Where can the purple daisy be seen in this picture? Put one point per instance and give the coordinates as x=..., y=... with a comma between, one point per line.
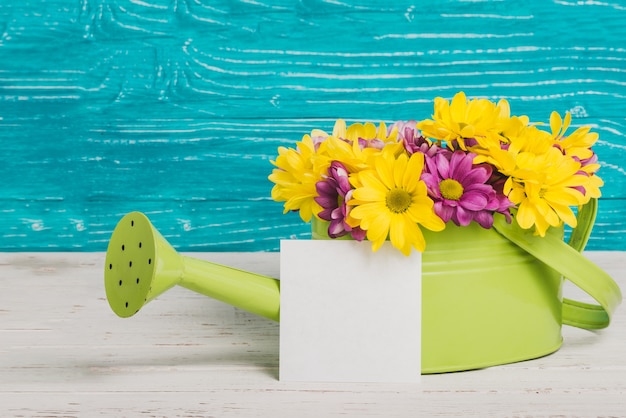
x=461, y=190
x=333, y=193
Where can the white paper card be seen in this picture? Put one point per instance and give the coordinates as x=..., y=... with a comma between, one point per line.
x=348, y=314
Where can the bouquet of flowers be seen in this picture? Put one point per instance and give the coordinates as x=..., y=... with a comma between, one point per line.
x=470, y=162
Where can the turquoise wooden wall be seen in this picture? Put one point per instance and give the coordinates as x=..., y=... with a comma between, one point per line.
x=175, y=107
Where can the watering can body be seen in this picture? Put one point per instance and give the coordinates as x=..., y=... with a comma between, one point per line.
x=485, y=301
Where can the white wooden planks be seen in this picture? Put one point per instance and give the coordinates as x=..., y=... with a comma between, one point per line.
x=64, y=353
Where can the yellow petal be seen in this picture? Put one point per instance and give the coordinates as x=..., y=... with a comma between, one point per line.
x=378, y=230
x=504, y=108
x=413, y=172
x=384, y=168
x=367, y=212
x=568, y=120
x=525, y=215
x=397, y=230
x=541, y=226
x=399, y=168
x=367, y=194
x=429, y=220
x=565, y=213
x=458, y=107
x=416, y=238
x=555, y=124
x=339, y=131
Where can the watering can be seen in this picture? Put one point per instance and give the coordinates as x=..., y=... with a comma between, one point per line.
x=489, y=296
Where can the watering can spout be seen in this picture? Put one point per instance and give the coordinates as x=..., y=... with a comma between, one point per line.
x=141, y=264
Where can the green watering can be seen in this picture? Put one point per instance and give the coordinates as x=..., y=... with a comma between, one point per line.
x=489, y=296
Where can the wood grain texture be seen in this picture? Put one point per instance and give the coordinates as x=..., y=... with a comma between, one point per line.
x=176, y=107
x=63, y=353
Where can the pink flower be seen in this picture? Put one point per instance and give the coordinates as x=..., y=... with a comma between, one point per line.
x=461, y=190
x=333, y=193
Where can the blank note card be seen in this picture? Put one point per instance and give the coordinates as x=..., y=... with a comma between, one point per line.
x=348, y=314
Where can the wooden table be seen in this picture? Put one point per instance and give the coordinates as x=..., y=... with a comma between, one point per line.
x=63, y=353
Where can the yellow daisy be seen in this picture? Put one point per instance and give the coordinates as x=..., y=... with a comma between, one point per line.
x=391, y=201
x=462, y=119
x=578, y=143
x=545, y=187
x=295, y=176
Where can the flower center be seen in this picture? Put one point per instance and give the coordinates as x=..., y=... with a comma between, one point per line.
x=398, y=200
x=451, y=189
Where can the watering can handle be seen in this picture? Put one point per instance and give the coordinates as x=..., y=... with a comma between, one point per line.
x=567, y=260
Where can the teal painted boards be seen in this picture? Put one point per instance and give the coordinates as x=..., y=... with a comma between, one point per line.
x=176, y=107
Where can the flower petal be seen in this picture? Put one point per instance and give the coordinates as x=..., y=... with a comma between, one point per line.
x=473, y=201
x=463, y=217
x=443, y=166
x=460, y=165
x=484, y=219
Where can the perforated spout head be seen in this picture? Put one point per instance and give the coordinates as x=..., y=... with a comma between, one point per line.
x=140, y=265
